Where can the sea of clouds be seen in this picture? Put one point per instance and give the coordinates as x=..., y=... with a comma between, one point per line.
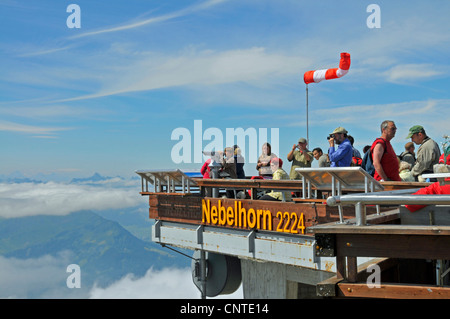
x=45, y=277
x=53, y=198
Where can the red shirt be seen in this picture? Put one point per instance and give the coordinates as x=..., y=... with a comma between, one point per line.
x=205, y=169
x=389, y=161
x=441, y=159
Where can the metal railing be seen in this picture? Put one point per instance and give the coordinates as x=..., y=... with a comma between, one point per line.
x=399, y=197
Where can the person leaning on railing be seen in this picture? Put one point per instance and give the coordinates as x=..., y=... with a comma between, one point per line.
x=278, y=173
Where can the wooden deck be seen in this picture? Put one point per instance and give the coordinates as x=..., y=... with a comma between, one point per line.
x=401, y=252
x=401, y=249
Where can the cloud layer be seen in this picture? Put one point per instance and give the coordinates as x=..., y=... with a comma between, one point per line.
x=51, y=198
x=46, y=277
x=164, y=284
x=43, y=277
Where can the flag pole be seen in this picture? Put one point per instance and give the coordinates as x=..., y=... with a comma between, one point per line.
x=307, y=128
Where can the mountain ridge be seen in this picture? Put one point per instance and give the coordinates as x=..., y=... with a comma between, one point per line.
x=103, y=249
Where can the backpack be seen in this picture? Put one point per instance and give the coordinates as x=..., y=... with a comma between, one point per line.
x=367, y=161
x=402, y=155
x=356, y=161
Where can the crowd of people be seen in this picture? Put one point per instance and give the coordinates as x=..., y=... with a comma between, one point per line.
x=408, y=166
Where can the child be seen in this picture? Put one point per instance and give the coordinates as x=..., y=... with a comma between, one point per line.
x=405, y=172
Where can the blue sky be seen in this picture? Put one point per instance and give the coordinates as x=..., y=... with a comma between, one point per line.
x=106, y=97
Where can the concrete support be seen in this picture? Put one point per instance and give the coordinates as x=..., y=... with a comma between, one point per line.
x=263, y=280
x=268, y=280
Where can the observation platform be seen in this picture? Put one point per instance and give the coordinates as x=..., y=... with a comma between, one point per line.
x=340, y=222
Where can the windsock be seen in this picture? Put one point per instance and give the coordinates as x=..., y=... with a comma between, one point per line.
x=329, y=74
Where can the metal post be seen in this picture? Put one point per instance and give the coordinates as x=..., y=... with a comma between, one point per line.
x=372, y=190
x=360, y=215
x=309, y=188
x=307, y=120
x=333, y=186
x=203, y=272
x=340, y=208
x=168, y=184
x=214, y=166
x=303, y=187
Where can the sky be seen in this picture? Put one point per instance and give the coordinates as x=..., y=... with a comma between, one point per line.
x=108, y=96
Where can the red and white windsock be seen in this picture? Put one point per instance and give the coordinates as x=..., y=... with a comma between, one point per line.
x=328, y=74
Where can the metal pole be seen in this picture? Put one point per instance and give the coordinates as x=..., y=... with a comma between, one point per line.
x=307, y=120
x=214, y=170
x=360, y=214
x=203, y=272
x=378, y=199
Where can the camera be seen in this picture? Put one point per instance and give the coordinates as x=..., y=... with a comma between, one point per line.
x=212, y=153
x=217, y=156
x=330, y=136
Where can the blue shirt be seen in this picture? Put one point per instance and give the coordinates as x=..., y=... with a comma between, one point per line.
x=341, y=157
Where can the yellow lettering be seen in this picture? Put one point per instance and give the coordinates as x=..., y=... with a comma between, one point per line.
x=222, y=214
x=280, y=221
x=267, y=220
x=230, y=216
x=206, y=211
x=238, y=216
x=242, y=216
x=294, y=218
x=258, y=217
x=301, y=223
x=286, y=216
x=214, y=214
x=251, y=217
x=235, y=213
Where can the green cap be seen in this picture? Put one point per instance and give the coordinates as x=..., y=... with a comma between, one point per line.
x=415, y=129
x=340, y=129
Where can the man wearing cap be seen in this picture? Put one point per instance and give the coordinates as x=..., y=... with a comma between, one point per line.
x=427, y=155
x=342, y=156
x=300, y=156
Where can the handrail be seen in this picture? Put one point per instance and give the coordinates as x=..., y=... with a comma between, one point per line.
x=388, y=198
x=293, y=185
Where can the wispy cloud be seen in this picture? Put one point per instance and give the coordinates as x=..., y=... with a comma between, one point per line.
x=412, y=72
x=254, y=66
x=30, y=129
x=402, y=112
x=137, y=24
x=31, y=109
x=44, y=52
